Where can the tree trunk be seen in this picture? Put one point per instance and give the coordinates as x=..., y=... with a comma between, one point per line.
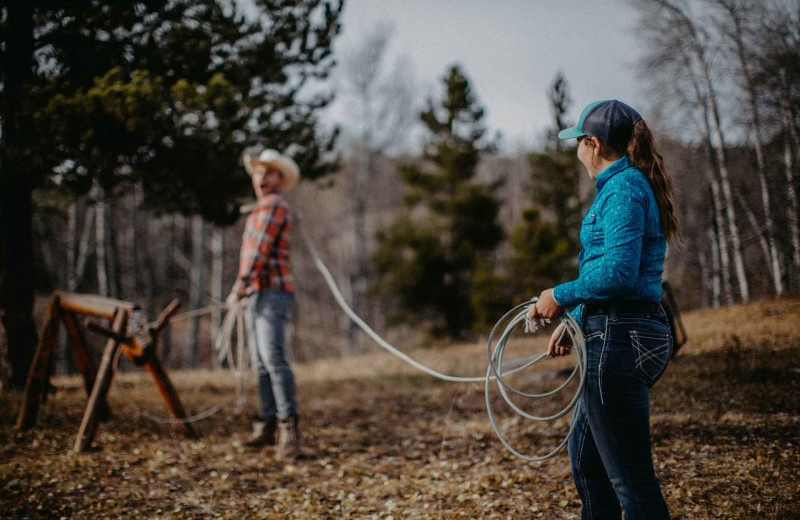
x=217, y=281
x=722, y=160
x=72, y=243
x=358, y=272
x=792, y=212
x=786, y=104
x=196, y=288
x=101, y=251
x=769, y=227
x=49, y=268
x=720, y=237
x=113, y=257
x=758, y=232
x=16, y=205
x=719, y=147
x=142, y=254
x=716, y=300
x=166, y=335
x=705, y=277
x=77, y=270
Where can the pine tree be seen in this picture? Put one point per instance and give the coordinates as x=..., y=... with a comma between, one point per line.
x=539, y=257
x=164, y=94
x=544, y=252
x=429, y=255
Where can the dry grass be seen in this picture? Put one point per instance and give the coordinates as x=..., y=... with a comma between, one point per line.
x=383, y=441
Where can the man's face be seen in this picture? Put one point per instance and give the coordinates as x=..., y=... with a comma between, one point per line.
x=266, y=179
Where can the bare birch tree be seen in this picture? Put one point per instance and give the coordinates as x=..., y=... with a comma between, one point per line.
x=196, y=284
x=790, y=140
x=217, y=278
x=733, y=27
x=383, y=111
x=101, y=251
x=672, y=19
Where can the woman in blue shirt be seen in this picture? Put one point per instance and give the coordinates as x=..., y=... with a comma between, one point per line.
x=616, y=298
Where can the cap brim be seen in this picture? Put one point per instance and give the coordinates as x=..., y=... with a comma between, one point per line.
x=570, y=133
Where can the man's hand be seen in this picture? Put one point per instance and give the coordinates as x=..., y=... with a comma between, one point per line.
x=231, y=300
x=560, y=343
x=546, y=307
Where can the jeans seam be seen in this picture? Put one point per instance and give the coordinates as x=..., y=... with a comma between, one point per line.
x=582, y=477
x=600, y=364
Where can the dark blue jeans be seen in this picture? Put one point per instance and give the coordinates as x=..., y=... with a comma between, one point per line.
x=612, y=464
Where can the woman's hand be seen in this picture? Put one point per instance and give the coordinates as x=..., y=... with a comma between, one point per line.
x=546, y=306
x=560, y=343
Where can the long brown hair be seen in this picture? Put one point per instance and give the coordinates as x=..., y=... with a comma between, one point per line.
x=644, y=156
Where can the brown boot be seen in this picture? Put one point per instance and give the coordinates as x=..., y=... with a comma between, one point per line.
x=263, y=433
x=288, y=439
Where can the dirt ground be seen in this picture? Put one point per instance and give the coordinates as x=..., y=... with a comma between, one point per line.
x=383, y=441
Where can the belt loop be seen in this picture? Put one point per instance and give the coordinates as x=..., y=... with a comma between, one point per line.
x=612, y=314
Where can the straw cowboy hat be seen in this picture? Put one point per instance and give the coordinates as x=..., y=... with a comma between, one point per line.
x=284, y=163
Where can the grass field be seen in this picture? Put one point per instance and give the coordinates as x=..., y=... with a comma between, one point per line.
x=383, y=441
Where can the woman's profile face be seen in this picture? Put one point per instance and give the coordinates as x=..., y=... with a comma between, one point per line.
x=586, y=151
x=266, y=179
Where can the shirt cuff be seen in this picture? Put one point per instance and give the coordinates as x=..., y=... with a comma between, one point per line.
x=564, y=295
x=576, y=313
x=239, y=288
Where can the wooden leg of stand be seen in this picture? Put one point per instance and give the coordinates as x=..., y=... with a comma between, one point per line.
x=169, y=393
x=39, y=374
x=101, y=385
x=77, y=344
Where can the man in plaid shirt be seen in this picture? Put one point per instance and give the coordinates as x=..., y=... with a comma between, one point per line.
x=265, y=288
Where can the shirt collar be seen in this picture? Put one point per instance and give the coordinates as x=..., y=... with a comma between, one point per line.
x=623, y=163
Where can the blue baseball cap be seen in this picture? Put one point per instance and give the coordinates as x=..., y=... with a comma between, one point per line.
x=611, y=121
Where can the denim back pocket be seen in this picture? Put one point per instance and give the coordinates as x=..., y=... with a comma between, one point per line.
x=652, y=352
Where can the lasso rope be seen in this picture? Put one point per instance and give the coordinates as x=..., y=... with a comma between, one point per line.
x=224, y=345
x=517, y=315
x=496, y=370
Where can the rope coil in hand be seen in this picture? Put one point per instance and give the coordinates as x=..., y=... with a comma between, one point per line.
x=518, y=315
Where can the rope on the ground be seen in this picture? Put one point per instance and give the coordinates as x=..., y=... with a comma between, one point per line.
x=496, y=368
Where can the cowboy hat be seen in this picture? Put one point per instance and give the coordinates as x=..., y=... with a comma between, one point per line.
x=283, y=163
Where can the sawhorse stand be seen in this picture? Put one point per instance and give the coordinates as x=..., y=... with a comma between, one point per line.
x=139, y=348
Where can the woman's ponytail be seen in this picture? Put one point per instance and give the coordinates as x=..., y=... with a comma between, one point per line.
x=644, y=156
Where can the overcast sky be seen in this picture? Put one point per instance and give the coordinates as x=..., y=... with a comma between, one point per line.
x=511, y=51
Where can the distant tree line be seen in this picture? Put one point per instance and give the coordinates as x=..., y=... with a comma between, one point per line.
x=123, y=129
x=727, y=77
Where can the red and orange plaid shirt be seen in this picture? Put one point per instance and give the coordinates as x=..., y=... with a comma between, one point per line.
x=264, y=258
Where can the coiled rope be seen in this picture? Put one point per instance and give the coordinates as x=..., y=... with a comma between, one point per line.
x=496, y=370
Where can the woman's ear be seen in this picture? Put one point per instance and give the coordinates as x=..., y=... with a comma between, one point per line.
x=600, y=149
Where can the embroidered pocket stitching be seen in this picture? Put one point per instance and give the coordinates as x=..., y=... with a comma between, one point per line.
x=643, y=355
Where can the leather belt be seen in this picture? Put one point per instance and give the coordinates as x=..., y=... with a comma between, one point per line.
x=622, y=307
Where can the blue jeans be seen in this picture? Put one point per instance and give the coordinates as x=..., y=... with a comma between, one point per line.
x=267, y=314
x=612, y=464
